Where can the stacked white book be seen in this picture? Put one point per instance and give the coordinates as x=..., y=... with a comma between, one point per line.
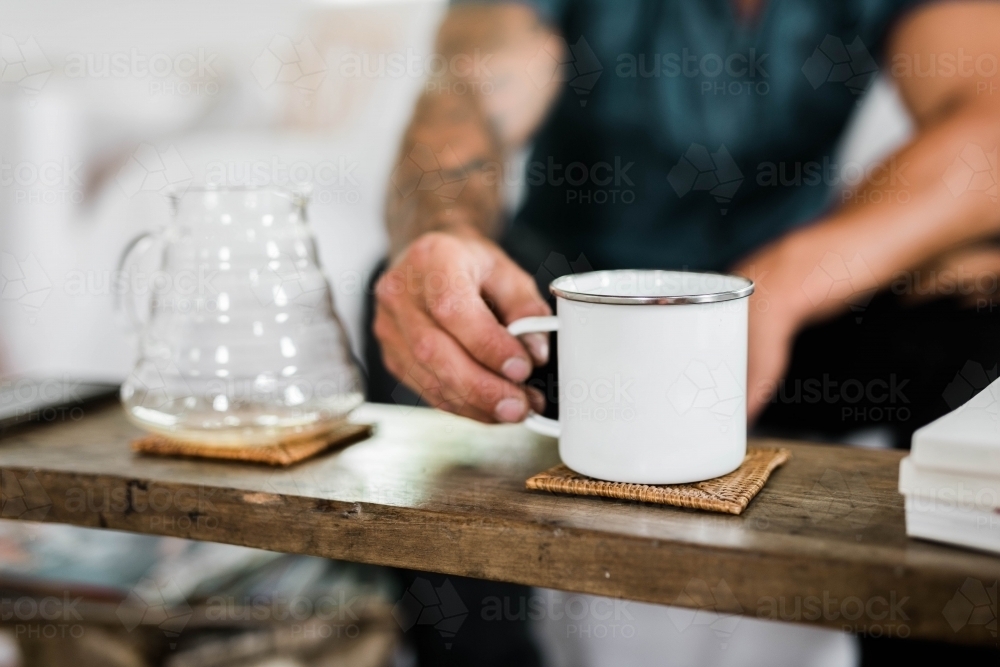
x=951, y=479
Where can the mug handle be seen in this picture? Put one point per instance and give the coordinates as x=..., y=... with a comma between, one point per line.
x=534, y=421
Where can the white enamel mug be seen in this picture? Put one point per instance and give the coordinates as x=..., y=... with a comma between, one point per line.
x=652, y=374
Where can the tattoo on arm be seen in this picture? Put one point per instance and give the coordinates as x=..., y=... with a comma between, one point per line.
x=487, y=102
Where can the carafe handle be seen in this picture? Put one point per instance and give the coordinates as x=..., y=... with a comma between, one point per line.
x=125, y=296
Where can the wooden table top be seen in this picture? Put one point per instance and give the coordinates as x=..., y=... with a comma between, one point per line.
x=823, y=543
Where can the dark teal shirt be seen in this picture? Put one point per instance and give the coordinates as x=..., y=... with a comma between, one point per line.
x=687, y=137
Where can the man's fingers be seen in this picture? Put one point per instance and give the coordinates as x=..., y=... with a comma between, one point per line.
x=441, y=316
x=462, y=313
x=427, y=385
x=452, y=295
x=538, y=347
x=461, y=377
x=430, y=388
x=514, y=295
x=536, y=399
x=420, y=380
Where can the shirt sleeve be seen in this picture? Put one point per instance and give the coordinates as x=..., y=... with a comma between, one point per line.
x=552, y=12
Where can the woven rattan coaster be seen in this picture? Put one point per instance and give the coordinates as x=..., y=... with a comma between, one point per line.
x=283, y=453
x=730, y=493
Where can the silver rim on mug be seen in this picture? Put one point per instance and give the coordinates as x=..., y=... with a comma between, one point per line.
x=565, y=292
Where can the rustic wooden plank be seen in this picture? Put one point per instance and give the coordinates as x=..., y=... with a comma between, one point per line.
x=823, y=543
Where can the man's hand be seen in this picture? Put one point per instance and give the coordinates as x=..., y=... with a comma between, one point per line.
x=777, y=310
x=442, y=307
x=441, y=315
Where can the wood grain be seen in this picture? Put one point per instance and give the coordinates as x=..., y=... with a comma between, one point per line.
x=824, y=542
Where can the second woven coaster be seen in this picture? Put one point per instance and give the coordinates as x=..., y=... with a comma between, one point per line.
x=730, y=493
x=278, y=454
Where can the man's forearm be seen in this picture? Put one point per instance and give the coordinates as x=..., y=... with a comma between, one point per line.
x=913, y=208
x=500, y=77
x=440, y=181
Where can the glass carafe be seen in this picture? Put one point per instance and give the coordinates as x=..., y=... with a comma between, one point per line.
x=239, y=343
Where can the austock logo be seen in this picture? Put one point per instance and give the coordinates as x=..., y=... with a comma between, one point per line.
x=25, y=282
x=972, y=379
x=575, y=64
x=22, y=496
x=850, y=281
x=23, y=64
x=973, y=604
x=402, y=395
x=875, y=616
x=297, y=63
x=583, y=69
x=45, y=617
x=428, y=389
x=330, y=181
x=734, y=73
x=974, y=170
x=155, y=384
x=150, y=170
x=714, y=607
x=557, y=265
x=158, y=508
x=834, y=62
x=886, y=398
x=421, y=171
x=187, y=73
x=150, y=603
x=423, y=603
x=55, y=181
x=701, y=171
x=284, y=283
x=845, y=498
x=701, y=387
x=977, y=391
